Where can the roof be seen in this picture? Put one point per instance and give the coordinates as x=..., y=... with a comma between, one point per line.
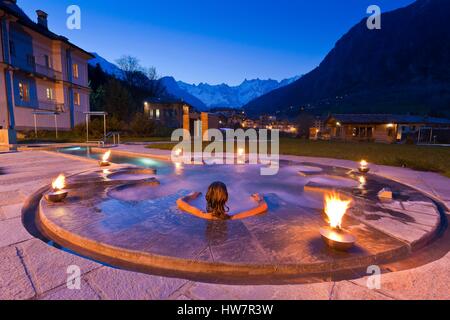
x=386, y=118
x=166, y=100
x=12, y=8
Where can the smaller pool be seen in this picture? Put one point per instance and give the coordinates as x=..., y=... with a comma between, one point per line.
x=162, y=167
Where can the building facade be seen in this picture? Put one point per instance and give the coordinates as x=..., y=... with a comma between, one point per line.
x=43, y=77
x=386, y=128
x=167, y=112
x=177, y=114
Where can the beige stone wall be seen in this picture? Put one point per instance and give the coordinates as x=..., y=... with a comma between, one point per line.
x=3, y=101
x=205, y=125
x=186, y=123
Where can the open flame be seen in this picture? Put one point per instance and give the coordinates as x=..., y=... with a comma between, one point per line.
x=106, y=156
x=363, y=164
x=59, y=183
x=335, y=209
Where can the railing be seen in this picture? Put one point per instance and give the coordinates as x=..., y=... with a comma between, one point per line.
x=51, y=105
x=45, y=71
x=115, y=137
x=48, y=72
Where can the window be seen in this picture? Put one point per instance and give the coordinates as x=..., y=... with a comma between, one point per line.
x=76, y=99
x=30, y=60
x=12, y=48
x=158, y=113
x=49, y=94
x=390, y=132
x=75, y=71
x=24, y=91
x=48, y=61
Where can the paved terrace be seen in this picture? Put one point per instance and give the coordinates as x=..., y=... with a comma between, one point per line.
x=30, y=269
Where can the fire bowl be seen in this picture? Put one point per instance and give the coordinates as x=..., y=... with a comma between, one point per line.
x=56, y=196
x=364, y=169
x=104, y=163
x=337, y=239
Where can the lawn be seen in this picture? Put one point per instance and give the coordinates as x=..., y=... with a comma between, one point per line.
x=423, y=158
x=71, y=137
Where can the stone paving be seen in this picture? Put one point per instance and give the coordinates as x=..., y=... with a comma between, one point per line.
x=30, y=269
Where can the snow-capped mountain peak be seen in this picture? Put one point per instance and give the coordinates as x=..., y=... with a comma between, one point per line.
x=108, y=67
x=223, y=95
x=204, y=95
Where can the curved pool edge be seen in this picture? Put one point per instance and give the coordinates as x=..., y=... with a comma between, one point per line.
x=214, y=272
x=202, y=270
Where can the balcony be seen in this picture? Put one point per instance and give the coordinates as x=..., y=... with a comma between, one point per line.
x=51, y=105
x=38, y=70
x=48, y=72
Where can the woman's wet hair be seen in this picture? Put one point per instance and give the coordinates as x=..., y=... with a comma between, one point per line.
x=216, y=199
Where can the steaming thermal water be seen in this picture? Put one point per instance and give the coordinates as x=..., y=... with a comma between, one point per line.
x=284, y=190
x=128, y=176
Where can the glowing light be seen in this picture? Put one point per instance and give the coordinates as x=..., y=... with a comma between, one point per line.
x=362, y=180
x=335, y=209
x=106, y=156
x=179, y=168
x=390, y=125
x=59, y=183
x=178, y=152
x=241, y=152
x=363, y=164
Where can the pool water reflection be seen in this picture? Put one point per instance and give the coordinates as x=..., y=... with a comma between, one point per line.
x=86, y=152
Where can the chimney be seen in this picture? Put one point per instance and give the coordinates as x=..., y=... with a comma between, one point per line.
x=42, y=18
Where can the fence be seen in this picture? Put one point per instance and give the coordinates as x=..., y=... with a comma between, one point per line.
x=434, y=136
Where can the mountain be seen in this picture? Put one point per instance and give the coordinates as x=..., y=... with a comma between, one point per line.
x=172, y=89
x=402, y=68
x=108, y=67
x=232, y=96
x=203, y=96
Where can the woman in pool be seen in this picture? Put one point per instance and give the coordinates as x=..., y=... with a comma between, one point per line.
x=217, y=198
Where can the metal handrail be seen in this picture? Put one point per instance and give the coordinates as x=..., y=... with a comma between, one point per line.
x=98, y=142
x=114, y=135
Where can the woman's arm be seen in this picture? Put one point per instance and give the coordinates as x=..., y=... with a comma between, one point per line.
x=184, y=205
x=260, y=209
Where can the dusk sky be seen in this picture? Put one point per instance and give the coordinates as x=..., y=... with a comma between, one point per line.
x=212, y=41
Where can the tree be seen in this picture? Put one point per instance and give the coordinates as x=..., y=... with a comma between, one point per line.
x=304, y=121
x=118, y=101
x=137, y=76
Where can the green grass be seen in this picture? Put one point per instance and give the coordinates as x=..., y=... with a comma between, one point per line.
x=423, y=158
x=72, y=137
x=144, y=139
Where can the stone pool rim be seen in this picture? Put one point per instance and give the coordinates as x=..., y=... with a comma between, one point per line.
x=226, y=272
x=188, y=268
